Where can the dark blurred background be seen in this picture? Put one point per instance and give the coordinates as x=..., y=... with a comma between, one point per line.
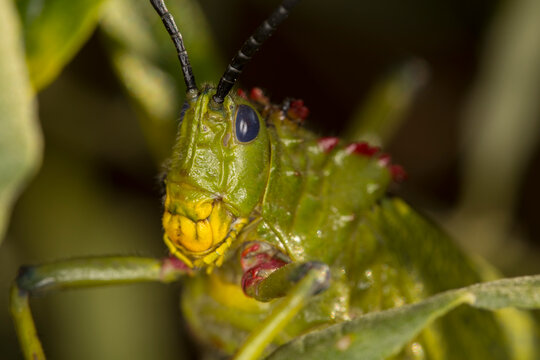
x=98, y=193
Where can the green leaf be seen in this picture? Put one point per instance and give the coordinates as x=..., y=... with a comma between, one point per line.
x=20, y=138
x=380, y=115
x=383, y=334
x=500, y=132
x=54, y=30
x=145, y=60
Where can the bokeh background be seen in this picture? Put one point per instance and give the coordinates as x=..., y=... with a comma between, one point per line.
x=456, y=83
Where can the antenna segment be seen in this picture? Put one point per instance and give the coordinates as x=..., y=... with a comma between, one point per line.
x=250, y=47
x=176, y=37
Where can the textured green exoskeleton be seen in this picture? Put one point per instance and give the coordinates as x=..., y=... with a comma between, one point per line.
x=310, y=199
x=285, y=233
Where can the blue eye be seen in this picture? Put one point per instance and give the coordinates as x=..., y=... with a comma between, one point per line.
x=246, y=123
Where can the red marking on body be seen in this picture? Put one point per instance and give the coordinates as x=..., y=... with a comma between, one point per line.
x=256, y=94
x=384, y=159
x=250, y=249
x=258, y=260
x=253, y=256
x=253, y=276
x=397, y=172
x=262, y=257
x=173, y=264
x=249, y=262
x=297, y=110
x=328, y=143
x=241, y=93
x=362, y=148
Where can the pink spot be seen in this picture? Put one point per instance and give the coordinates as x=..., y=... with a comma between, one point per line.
x=250, y=249
x=175, y=263
x=327, y=143
x=241, y=93
x=256, y=94
x=297, y=110
x=250, y=262
x=384, y=159
x=249, y=257
x=252, y=277
x=172, y=265
x=362, y=148
x=397, y=172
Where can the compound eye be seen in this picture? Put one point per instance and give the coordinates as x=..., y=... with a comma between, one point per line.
x=246, y=124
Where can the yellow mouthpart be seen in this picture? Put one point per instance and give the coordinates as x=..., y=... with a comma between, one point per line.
x=202, y=242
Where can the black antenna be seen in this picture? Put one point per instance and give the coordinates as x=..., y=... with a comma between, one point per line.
x=250, y=47
x=172, y=29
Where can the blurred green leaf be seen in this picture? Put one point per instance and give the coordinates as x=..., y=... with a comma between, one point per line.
x=381, y=114
x=501, y=130
x=146, y=62
x=382, y=334
x=20, y=138
x=54, y=30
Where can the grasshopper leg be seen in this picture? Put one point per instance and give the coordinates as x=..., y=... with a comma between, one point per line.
x=296, y=282
x=87, y=272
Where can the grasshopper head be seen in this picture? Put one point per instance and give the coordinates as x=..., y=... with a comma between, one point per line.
x=220, y=163
x=216, y=177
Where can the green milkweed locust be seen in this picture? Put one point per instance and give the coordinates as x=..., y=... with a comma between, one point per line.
x=288, y=244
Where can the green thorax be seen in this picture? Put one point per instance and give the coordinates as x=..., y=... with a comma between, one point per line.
x=317, y=189
x=324, y=200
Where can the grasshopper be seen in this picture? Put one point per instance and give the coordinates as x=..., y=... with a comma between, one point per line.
x=277, y=233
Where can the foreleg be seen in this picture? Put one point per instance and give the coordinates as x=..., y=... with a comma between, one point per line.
x=270, y=277
x=76, y=273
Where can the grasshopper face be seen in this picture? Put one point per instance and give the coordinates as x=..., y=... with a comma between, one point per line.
x=217, y=176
